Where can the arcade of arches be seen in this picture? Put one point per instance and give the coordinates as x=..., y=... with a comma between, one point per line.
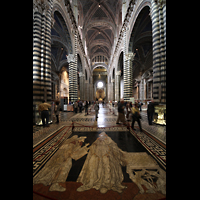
x=100, y=50
x=78, y=43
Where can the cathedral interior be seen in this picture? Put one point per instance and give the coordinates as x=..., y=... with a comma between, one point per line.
x=99, y=50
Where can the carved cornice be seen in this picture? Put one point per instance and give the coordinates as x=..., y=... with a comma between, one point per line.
x=160, y=2
x=124, y=26
x=70, y=58
x=40, y=6
x=74, y=25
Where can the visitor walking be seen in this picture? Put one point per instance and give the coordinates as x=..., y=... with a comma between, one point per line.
x=80, y=105
x=96, y=108
x=121, y=116
x=43, y=110
x=140, y=104
x=136, y=117
x=128, y=111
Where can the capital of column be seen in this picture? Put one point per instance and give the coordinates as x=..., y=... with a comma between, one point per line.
x=118, y=73
x=81, y=74
x=160, y=2
x=40, y=6
x=130, y=56
x=70, y=58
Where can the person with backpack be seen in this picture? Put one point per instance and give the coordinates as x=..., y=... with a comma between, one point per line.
x=136, y=117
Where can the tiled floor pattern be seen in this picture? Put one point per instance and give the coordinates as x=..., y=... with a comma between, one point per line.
x=106, y=121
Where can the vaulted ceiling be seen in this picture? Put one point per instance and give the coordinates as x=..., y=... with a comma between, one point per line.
x=98, y=20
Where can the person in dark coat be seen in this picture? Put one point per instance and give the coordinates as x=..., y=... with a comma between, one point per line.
x=86, y=107
x=80, y=105
x=150, y=112
x=56, y=111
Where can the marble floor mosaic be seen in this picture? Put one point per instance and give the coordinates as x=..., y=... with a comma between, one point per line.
x=48, y=140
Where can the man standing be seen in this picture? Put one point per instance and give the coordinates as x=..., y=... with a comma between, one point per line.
x=75, y=106
x=150, y=112
x=80, y=105
x=86, y=107
x=43, y=109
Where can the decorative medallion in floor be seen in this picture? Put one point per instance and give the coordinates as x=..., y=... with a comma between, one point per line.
x=82, y=158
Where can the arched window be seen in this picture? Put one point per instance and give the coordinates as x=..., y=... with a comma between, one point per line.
x=99, y=84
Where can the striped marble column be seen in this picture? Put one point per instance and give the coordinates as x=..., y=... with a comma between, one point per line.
x=75, y=71
x=130, y=58
x=126, y=93
x=112, y=89
x=117, y=85
x=159, y=50
x=42, y=51
x=37, y=54
x=162, y=20
x=47, y=66
x=71, y=61
x=82, y=85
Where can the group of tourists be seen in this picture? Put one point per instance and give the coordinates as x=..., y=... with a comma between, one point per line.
x=132, y=111
x=135, y=111
x=81, y=105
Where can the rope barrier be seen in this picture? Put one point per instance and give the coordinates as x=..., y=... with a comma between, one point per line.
x=98, y=127
x=72, y=125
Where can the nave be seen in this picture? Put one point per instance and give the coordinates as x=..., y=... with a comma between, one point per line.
x=49, y=142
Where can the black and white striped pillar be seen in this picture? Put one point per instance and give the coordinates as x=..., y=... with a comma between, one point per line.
x=126, y=95
x=71, y=60
x=47, y=67
x=75, y=71
x=158, y=10
x=117, y=85
x=37, y=34
x=41, y=52
x=73, y=84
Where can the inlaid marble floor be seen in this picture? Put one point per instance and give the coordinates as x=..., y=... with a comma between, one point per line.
x=47, y=141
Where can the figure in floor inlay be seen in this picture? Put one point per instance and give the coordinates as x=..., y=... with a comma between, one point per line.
x=57, y=169
x=102, y=168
